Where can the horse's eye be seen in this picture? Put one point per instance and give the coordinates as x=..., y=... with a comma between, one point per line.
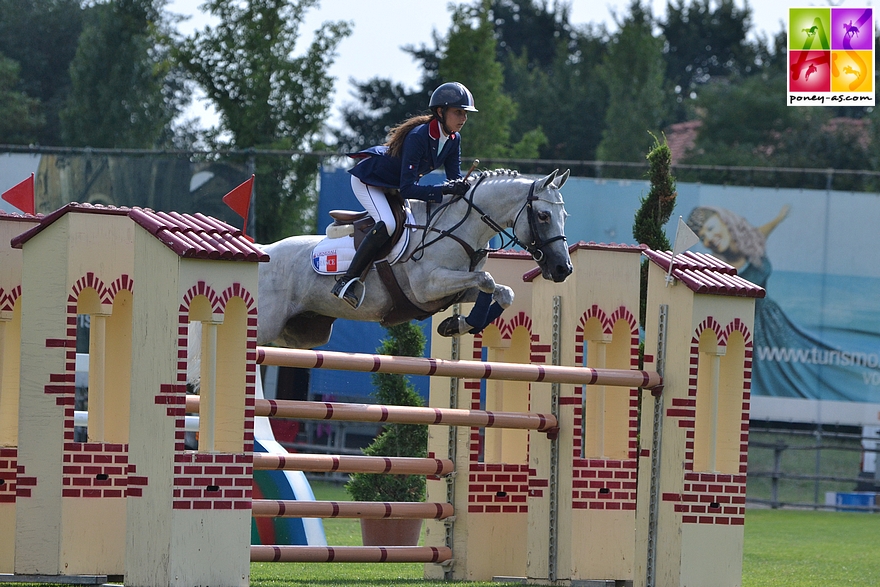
x=544, y=216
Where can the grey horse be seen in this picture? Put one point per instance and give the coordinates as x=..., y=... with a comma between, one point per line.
x=441, y=265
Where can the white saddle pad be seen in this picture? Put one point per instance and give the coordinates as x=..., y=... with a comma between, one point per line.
x=332, y=256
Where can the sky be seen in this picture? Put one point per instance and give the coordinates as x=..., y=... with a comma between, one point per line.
x=382, y=27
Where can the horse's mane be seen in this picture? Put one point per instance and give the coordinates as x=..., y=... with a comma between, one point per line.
x=488, y=174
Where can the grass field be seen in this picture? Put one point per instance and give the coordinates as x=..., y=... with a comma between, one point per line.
x=783, y=548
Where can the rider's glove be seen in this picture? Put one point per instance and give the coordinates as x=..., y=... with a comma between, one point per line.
x=458, y=187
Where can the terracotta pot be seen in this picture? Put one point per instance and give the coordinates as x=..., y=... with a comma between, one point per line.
x=388, y=532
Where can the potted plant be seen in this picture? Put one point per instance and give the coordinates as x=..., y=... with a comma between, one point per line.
x=395, y=440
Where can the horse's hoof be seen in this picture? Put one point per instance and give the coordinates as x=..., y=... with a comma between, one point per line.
x=455, y=325
x=504, y=296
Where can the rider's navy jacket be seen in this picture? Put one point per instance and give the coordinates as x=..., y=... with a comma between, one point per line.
x=418, y=157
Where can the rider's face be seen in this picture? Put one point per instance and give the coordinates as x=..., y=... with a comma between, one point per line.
x=455, y=119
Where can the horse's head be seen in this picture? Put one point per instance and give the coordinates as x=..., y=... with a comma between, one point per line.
x=545, y=216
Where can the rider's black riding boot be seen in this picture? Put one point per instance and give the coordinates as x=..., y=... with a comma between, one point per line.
x=349, y=286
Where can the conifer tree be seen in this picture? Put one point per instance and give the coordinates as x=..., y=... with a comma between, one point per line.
x=395, y=440
x=655, y=210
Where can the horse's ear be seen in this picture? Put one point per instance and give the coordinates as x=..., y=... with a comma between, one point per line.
x=546, y=181
x=561, y=179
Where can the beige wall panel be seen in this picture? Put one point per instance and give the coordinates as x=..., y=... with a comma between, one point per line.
x=697, y=547
x=10, y=331
x=209, y=550
x=503, y=546
x=10, y=366
x=94, y=549
x=607, y=279
x=102, y=243
x=168, y=546
x=7, y=538
x=711, y=555
x=40, y=424
x=155, y=313
x=602, y=546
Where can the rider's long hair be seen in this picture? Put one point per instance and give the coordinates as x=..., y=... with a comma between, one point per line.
x=398, y=133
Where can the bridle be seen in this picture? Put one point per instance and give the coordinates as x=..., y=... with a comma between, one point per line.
x=535, y=247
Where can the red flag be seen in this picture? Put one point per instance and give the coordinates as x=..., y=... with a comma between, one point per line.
x=239, y=199
x=21, y=195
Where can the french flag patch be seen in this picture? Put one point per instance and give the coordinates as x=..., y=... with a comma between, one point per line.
x=331, y=262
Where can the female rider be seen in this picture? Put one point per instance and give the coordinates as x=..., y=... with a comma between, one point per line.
x=415, y=147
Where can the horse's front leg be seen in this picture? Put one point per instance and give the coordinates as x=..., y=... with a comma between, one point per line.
x=440, y=283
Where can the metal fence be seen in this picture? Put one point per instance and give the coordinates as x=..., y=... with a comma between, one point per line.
x=857, y=180
x=810, y=466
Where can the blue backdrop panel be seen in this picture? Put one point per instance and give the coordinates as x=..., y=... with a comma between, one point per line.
x=818, y=329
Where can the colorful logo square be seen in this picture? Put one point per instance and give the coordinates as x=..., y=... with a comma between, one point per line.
x=809, y=71
x=809, y=28
x=852, y=29
x=831, y=56
x=851, y=71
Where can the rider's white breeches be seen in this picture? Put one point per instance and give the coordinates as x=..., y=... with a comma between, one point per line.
x=374, y=202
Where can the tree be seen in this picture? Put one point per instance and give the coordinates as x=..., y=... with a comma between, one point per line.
x=550, y=71
x=561, y=96
x=395, y=440
x=523, y=27
x=470, y=58
x=655, y=211
x=380, y=103
x=632, y=70
x=20, y=118
x=703, y=43
x=124, y=93
x=41, y=36
x=268, y=98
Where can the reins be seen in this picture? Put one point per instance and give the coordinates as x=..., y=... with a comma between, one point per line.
x=534, y=248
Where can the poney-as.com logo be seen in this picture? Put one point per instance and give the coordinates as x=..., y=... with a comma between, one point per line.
x=830, y=57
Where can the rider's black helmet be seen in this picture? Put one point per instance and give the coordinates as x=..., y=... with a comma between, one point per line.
x=452, y=94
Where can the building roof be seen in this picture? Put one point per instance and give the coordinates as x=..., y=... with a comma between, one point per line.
x=197, y=236
x=16, y=217
x=193, y=236
x=592, y=246
x=705, y=274
x=50, y=218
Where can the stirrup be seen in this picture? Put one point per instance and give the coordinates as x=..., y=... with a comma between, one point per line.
x=455, y=325
x=351, y=290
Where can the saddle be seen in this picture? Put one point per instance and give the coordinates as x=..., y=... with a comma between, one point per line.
x=351, y=225
x=358, y=224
